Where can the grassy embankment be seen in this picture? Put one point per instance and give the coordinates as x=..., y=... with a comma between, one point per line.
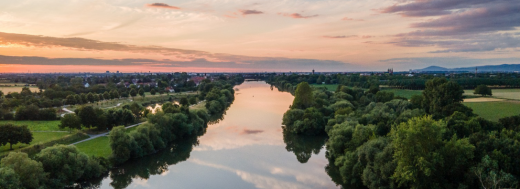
x=44, y=135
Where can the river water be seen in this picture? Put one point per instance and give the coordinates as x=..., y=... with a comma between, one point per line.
x=246, y=149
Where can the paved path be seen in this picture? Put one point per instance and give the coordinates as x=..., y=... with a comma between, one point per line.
x=104, y=134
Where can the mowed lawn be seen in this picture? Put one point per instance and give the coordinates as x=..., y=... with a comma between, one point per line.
x=96, y=147
x=38, y=137
x=37, y=125
x=495, y=110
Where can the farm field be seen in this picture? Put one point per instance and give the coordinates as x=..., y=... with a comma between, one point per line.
x=330, y=87
x=17, y=89
x=513, y=94
x=495, y=110
x=96, y=147
x=38, y=137
x=37, y=125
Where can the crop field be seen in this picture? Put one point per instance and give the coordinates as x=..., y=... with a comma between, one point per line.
x=37, y=125
x=17, y=89
x=96, y=147
x=330, y=87
x=513, y=94
x=495, y=110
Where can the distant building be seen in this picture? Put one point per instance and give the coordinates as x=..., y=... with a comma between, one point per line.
x=87, y=85
x=108, y=72
x=391, y=71
x=312, y=71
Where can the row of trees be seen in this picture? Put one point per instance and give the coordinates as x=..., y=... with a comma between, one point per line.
x=377, y=140
x=54, y=167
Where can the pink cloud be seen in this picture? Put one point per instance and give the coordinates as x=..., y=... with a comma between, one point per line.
x=246, y=12
x=338, y=36
x=297, y=15
x=162, y=5
x=351, y=19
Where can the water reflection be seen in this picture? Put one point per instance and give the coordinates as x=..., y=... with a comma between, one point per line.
x=303, y=146
x=244, y=148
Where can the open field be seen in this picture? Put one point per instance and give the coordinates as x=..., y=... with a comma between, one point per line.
x=483, y=99
x=495, y=110
x=17, y=89
x=38, y=125
x=404, y=92
x=39, y=137
x=96, y=147
x=513, y=94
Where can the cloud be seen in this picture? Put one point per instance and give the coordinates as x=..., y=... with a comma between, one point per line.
x=247, y=12
x=180, y=57
x=297, y=15
x=162, y=5
x=461, y=25
x=249, y=132
x=448, y=62
x=351, y=19
x=336, y=37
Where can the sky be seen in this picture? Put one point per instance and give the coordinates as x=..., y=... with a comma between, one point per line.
x=255, y=35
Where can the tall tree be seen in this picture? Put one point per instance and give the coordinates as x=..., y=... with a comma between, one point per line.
x=141, y=93
x=133, y=93
x=483, y=90
x=88, y=116
x=442, y=97
x=303, y=97
x=70, y=121
x=13, y=134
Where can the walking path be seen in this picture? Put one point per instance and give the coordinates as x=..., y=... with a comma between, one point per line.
x=103, y=134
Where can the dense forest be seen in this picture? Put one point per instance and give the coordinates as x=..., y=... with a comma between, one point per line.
x=378, y=140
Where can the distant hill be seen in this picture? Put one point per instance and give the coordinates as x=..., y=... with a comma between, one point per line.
x=488, y=68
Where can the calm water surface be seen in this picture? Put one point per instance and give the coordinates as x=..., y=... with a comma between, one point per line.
x=247, y=149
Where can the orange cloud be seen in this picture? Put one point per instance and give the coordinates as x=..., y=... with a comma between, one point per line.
x=162, y=5
x=338, y=36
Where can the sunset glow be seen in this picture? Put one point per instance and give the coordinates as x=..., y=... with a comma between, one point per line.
x=234, y=36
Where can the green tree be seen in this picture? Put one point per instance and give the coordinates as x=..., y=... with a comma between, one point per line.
x=13, y=134
x=70, y=121
x=9, y=179
x=384, y=96
x=193, y=100
x=88, y=116
x=303, y=97
x=106, y=95
x=90, y=97
x=121, y=144
x=184, y=101
x=136, y=109
x=29, y=171
x=66, y=164
x=153, y=92
x=1, y=94
x=114, y=94
x=442, y=97
x=133, y=93
x=70, y=100
x=483, y=90
x=141, y=93
x=490, y=176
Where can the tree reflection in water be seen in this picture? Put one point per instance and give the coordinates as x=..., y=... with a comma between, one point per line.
x=303, y=146
x=154, y=164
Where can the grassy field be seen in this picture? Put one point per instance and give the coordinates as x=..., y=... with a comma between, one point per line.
x=97, y=147
x=37, y=125
x=495, y=110
x=39, y=137
x=513, y=94
x=199, y=106
x=404, y=92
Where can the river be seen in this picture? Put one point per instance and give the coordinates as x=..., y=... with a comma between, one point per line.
x=246, y=149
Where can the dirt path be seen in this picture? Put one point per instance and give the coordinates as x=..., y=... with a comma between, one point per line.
x=484, y=99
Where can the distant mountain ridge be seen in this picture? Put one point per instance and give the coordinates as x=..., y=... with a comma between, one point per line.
x=487, y=68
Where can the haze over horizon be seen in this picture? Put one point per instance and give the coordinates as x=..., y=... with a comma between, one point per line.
x=232, y=35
